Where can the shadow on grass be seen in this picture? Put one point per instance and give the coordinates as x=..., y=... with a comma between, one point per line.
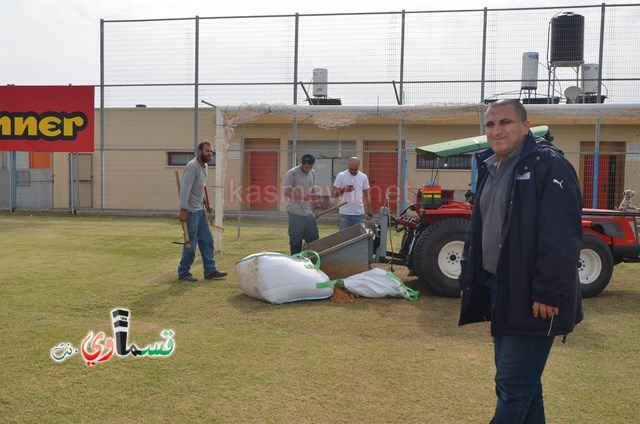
x=165, y=288
x=428, y=309
x=250, y=306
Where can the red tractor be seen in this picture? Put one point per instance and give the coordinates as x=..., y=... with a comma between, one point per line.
x=434, y=237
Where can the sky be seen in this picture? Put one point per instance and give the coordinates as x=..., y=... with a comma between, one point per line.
x=57, y=42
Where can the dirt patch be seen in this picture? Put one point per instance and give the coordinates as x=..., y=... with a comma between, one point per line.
x=341, y=295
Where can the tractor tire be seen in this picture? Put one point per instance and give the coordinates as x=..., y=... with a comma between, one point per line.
x=595, y=265
x=437, y=253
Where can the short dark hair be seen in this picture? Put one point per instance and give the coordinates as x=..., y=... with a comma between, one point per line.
x=517, y=106
x=203, y=143
x=308, y=159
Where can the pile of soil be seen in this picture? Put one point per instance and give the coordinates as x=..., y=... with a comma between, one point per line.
x=341, y=295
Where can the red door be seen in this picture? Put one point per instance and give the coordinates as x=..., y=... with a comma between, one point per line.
x=603, y=182
x=383, y=176
x=262, y=191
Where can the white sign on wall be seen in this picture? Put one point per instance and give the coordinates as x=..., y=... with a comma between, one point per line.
x=234, y=151
x=633, y=152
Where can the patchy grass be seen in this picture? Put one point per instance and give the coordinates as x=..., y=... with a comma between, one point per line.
x=239, y=360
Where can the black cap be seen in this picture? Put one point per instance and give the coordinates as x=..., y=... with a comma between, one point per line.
x=308, y=159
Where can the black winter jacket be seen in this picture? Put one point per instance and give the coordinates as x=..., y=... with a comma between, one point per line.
x=541, y=242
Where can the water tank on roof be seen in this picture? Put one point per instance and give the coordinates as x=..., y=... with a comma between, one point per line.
x=567, y=39
x=320, y=76
x=590, y=78
x=529, y=71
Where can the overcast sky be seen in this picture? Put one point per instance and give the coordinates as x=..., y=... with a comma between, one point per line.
x=51, y=42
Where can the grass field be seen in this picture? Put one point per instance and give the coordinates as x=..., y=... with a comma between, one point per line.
x=239, y=360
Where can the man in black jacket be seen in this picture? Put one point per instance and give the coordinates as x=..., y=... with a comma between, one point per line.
x=519, y=261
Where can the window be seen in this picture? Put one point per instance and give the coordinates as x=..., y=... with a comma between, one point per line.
x=451, y=162
x=182, y=158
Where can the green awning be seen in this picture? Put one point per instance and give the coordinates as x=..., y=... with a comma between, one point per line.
x=465, y=145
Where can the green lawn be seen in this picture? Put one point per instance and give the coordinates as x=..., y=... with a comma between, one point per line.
x=240, y=360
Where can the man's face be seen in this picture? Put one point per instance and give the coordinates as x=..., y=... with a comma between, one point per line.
x=306, y=167
x=206, y=154
x=505, y=131
x=353, y=167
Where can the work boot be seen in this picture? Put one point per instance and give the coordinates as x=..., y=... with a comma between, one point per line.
x=215, y=275
x=190, y=278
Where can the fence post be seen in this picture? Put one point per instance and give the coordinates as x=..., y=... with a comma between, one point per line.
x=13, y=182
x=102, y=114
x=295, y=61
x=294, y=130
x=220, y=165
x=596, y=157
x=400, y=182
x=196, y=113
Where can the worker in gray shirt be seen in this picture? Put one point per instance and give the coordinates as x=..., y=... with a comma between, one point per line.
x=192, y=211
x=301, y=198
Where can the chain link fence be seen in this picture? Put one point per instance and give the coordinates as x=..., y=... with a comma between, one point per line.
x=160, y=79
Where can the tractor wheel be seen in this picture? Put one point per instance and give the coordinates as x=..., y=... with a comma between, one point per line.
x=436, y=257
x=595, y=265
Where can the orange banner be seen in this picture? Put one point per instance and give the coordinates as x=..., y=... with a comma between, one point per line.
x=46, y=118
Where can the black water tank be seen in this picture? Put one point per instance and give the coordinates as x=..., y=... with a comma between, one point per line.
x=567, y=39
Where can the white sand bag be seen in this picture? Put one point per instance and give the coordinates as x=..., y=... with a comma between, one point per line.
x=378, y=283
x=279, y=278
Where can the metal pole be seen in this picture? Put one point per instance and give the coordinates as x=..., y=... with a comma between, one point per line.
x=71, y=185
x=596, y=157
x=76, y=182
x=219, y=193
x=474, y=169
x=12, y=182
x=405, y=178
x=294, y=130
x=601, y=54
x=596, y=165
x=399, y=192
x=53, y=158
x=101, y=113
x=196, y=134
x=241, y=178
x=402, y=58
x=294, y=142
x=483, y=69
x=295, y=61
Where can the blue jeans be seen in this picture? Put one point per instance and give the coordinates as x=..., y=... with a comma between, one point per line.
x=345, y=221
x=520, y=361
x=200, y=235
x=301, y=227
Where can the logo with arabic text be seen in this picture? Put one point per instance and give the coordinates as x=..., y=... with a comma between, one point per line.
x=100, y=349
